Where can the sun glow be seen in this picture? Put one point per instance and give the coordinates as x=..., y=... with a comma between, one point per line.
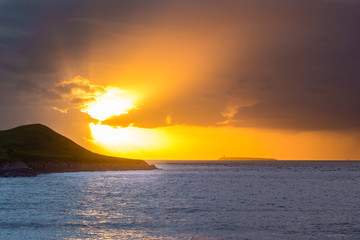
x=113, y=102
x=105, y=102
x=126, y=139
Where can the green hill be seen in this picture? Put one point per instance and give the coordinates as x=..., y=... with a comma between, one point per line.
x=44, y=150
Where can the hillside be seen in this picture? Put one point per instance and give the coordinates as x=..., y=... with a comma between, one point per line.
x=43, y=150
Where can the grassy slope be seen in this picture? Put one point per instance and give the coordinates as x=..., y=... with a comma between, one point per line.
x=36, y=143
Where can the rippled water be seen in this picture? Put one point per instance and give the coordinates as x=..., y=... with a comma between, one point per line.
x=218, y=200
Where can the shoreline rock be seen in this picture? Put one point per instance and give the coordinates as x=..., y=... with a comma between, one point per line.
x=17, y=169
x=20, y=169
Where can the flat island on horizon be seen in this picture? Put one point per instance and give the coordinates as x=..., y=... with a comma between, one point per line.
x=245, y=159
x=33, y=149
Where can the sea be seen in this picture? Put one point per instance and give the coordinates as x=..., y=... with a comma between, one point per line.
x=187, y=200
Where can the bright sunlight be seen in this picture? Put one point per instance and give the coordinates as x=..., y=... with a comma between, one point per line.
x=113, y=102
x=126, y=139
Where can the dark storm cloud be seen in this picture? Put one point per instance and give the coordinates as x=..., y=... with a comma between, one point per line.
x=36, y=36
x=296, y=64
x=306, y=75
x=27, y=35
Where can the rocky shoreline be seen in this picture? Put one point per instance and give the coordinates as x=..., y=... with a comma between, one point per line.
x=17, y=170
x=20, y=169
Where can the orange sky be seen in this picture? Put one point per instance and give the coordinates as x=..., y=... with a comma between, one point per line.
x=187, y=80
x=183, y=141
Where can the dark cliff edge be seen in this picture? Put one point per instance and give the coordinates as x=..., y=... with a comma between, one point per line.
x=34, y=149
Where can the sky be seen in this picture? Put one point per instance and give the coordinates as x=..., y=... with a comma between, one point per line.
x=186, y=79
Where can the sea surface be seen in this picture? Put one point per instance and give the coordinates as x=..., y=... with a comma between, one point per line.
x=187, y=200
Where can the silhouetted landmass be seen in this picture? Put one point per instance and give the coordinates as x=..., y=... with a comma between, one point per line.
x=245, y=159
x=33, y=149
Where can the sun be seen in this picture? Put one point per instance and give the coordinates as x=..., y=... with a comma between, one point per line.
x=113, y=102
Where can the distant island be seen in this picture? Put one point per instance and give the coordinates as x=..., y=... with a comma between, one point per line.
x=245, y=159
x=34, y=149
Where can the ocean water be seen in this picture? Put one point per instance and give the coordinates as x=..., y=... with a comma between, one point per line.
x=187, y=200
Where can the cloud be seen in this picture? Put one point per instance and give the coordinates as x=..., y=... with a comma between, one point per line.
x=74, y=93
x=296, y=68
x=261, y=64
